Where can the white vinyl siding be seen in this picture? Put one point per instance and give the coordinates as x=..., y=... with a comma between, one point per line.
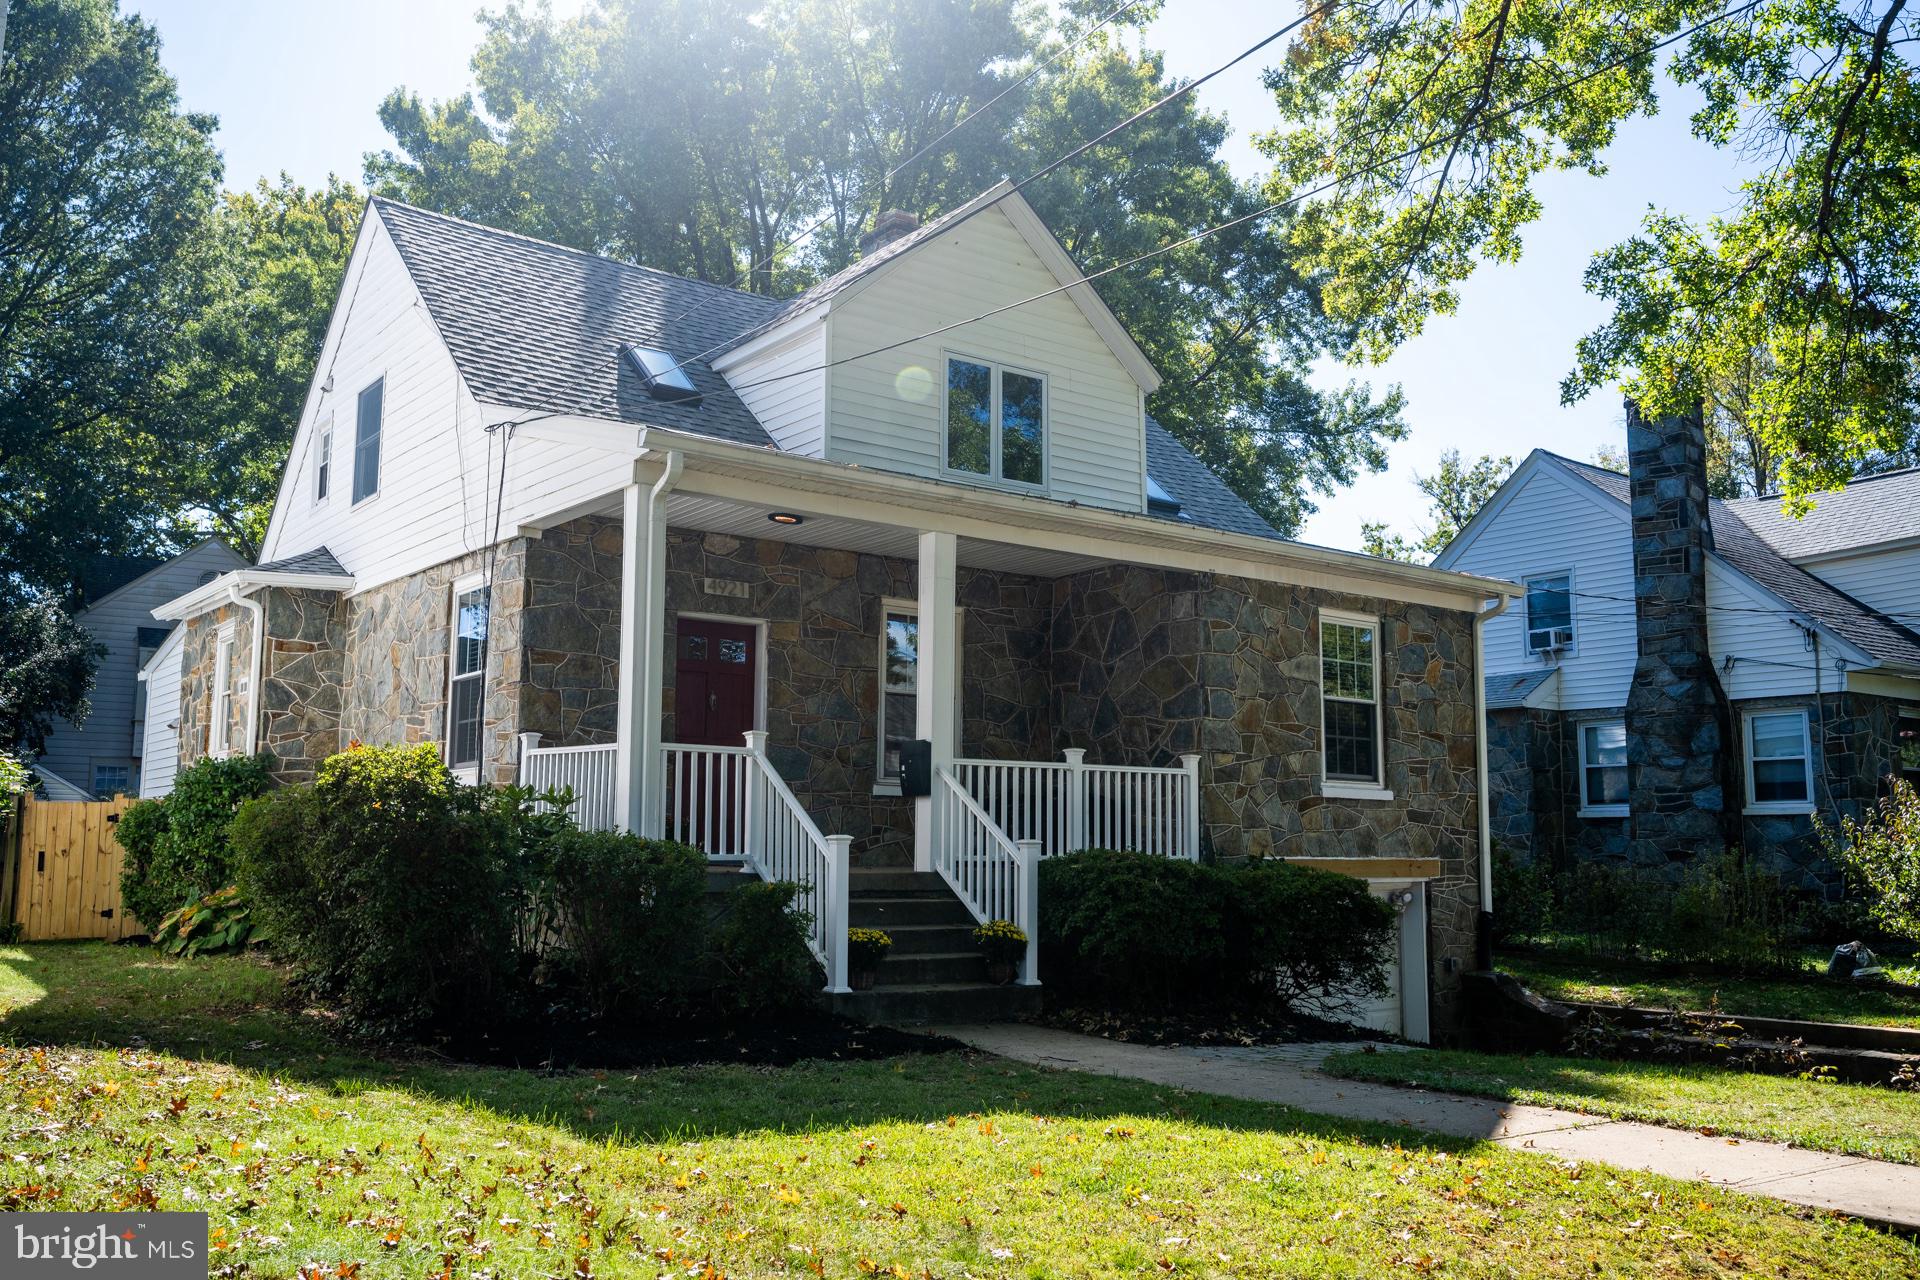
x=886, y=410
x=1885, y=580
x=160, y=754
x=786, y=389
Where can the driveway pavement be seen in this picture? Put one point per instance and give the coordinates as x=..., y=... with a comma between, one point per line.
x=1873, y=1190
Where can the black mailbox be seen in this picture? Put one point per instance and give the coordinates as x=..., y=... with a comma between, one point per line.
x=916, y=768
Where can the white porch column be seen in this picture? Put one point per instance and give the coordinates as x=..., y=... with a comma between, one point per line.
x=632, y=740
x=935, y=678
x=652, y=771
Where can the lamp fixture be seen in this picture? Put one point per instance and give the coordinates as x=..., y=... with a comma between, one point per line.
x=785, y=517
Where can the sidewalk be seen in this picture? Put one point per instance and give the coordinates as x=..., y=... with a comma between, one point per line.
x=1872, y=1190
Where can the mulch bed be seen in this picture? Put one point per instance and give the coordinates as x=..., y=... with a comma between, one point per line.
x=569, y=1044
x=1237, y=1026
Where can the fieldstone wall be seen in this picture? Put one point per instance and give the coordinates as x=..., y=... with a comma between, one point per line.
x=304, y=680
x=571, y=630
x=1151, y=664
x=1527, y=783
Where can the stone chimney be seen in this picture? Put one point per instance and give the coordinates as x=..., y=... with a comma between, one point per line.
x=1680, y=746
x=887, y=227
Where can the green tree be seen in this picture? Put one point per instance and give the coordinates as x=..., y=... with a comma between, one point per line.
x=1455, y=494
x=699, y=142
x=1432, y=120
x=47, y=662
x=262, y=283
x=104, y=184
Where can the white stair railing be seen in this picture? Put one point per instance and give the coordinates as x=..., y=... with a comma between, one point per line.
x=587, y=771
x=995, y=876
x=1071, y=804
x=705, y=804
x=781, y=842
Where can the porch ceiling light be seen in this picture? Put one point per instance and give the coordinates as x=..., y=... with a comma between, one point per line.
x=785, y=517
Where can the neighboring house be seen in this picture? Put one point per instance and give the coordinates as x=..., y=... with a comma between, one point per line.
x=102, y=756
x=745, y=572
x=160, y=683
x=1684, y=673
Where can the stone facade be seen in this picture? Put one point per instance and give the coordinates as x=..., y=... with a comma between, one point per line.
x=1679, y=730
x=1527, y=782
x=304, y=683
x=198, y=652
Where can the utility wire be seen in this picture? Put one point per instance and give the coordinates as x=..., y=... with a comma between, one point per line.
x=1257, y=214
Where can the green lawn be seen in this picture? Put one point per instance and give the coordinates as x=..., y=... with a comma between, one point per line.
x=1850, y=1119
x=1564, y=976
x=140, y=1082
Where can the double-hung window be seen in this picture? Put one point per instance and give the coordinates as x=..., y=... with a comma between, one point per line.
x=468, y=680
x=366, y=440
x=1350, y=702
x=996, y=422
x=221, y=708
x=323, y=462
x=900, y=686
x=1549, y=613
x=1603, y=769
x=1779, y=762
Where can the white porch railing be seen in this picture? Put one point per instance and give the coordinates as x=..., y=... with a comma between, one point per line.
x=588, y=771
x=995, y=876
x=1071, y=804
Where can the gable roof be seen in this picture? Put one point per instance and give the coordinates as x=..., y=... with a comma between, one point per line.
x=542, y=326
x=1740, y=547
x=319, y=562
x=1867, y=512
x=126, y=572
x=1511, y=689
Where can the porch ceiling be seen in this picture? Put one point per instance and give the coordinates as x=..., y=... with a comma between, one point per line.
x=720, y=515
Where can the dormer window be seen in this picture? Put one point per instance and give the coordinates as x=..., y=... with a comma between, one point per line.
x=996, y=422
x=1160, y=502
x=663, y=375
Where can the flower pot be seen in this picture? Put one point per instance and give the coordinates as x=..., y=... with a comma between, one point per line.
x=1002, y=971
x=862, y=979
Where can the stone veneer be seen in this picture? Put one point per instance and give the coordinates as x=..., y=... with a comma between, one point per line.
x=304, y=683
x=198, y=650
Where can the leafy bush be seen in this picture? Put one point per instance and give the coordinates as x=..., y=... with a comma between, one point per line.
x=177, y=848
x=390, y=887
x=624, y=916
x=1522, y=898
x=1719, y=912
x=218, y=922
x=866, y=948
x=761, y=945
x=1880, y=855
x=1131, y=930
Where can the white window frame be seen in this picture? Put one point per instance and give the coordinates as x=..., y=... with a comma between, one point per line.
x=220, y=714
x=464, y=585
x=1351, y=788
x=882, y=784
x=1806, y=760
x=379, y=450
x=130, y=787
x=1526, y=621
x=1588, y=809
x=323, y=462
x=997, y=368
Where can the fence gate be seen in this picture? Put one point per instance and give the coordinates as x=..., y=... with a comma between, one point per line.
x=67, y=878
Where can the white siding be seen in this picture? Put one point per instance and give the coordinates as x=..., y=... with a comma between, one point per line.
x=1887, y=580
x=1772, y=659
x=161, y=759
x=792, y=409
x=109, y=734
x=1548, y=526
x=886, y=409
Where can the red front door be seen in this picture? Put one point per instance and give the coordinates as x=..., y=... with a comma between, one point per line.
x=714, y=682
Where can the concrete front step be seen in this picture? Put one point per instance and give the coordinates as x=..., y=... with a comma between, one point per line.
x=921, y=939
x=907, y=969
x=875, y=912
x=895, y=880
x=939, y=1003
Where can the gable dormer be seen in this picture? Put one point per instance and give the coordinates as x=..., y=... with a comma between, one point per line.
x=1045, y=398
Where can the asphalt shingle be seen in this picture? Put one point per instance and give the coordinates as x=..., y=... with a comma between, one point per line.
x=318, y=561
x=1870, y=510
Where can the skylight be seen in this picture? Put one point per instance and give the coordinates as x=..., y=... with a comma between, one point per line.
x=664, y=377
x=1159, y=501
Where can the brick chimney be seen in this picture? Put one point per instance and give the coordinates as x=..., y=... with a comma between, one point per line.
x=1680, y=746
x=888, y=226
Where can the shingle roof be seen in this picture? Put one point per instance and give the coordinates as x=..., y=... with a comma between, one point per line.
x=1512, y=689
x=1870, y=510
x=542, y=326
x=1734, y=542
x=318, y=561
x=1203, y=497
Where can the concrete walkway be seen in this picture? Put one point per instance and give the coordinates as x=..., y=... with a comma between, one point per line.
x=1873, y=1190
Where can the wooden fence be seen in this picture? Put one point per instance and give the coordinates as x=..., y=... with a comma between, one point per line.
x=66, y=873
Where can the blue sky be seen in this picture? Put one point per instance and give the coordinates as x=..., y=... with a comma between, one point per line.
x=295, y=84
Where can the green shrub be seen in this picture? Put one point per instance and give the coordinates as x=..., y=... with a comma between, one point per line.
x=1318, y=940
x=178, y=850
x=624, y=916
x=1880, y=855
x=1718, y=912
x=1522, y=898
x=390, y=887
x=765, y=965
x=216, y=923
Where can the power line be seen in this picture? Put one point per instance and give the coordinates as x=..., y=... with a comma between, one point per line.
x=1340, y=180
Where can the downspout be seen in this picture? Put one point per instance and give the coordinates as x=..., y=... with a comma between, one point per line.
x=259, y=662
x=1483, y=935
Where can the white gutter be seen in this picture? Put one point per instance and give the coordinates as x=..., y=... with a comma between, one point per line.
x=1480, y=621
x=259, y=613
